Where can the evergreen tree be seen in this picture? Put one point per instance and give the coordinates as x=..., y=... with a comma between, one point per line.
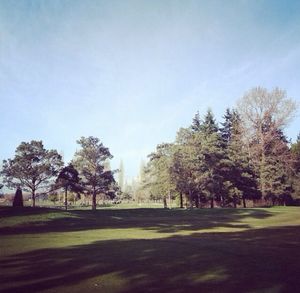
x=186, y=166
x=295, y=168
x=239, y=177
x=196, y=124
x=18, y=199
x=209, y=125
x=68, y=179
x=212, y=156
x=89, y=161
x=275, y=170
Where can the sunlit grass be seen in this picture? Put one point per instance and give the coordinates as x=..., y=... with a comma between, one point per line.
x=118, y=250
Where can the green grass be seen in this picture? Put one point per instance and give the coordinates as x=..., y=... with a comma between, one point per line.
x=150, y=250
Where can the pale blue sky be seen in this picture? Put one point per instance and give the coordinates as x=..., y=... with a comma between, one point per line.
x=133, y=72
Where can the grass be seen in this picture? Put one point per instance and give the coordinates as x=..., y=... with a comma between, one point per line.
x=150, y=250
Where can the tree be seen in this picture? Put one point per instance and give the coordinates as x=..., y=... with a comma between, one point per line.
x=18, y=199
x=68, y=179
x=160, y=175
x=89, y=161
x=185, y=166
x=32, y=169
x=212, y=156
x=239, y=177
x=277, y=164
x=263, y=113
x=295, y=171
x=196, y=124
x=197, y=161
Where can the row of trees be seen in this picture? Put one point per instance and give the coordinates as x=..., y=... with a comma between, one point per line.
x=247, y=157
x=38, y=170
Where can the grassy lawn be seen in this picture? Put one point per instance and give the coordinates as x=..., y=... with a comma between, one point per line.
x=141, y=250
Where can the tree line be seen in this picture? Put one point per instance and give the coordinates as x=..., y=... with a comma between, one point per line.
x=246, y=157
x=41, y=171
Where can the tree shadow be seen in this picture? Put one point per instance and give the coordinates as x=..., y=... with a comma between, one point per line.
x=6, y=212
x=159, y=220
x=253, y=260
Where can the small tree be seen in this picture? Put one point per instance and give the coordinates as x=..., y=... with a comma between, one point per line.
x=33, y=168
x=89, y=161
x=18, y=199
x=68, y=179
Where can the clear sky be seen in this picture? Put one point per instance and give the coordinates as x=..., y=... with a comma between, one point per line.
x=133, y=72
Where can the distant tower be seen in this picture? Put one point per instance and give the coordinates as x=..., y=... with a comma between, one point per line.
x=141, y=176
x=121, y=175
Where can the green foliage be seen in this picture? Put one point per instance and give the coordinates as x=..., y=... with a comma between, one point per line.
x=89, y=161
x=33, y=168
x=240, y=182
x=68, y=179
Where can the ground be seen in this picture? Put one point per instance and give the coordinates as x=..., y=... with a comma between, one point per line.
x=143, y=250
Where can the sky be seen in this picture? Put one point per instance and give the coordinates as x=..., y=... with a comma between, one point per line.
x=133, y=72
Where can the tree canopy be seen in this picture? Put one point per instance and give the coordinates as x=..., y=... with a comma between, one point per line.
x=33, y=168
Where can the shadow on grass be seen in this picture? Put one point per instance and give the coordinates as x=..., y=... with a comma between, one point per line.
x=253, y=260
x=160, y=220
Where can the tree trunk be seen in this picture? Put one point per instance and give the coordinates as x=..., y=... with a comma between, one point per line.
x=165, y=202
x=262, y=166
x=190, y=200
x=66, y=197
x=234, y=203
x=212, y=202
x=33, y=198
x=94, y=204
x=244, y=202
x=197, y=201
x=170, y=200
x=181, y=200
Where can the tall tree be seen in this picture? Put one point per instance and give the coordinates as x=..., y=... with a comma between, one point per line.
x=90, y=161
x=185, y=166
x=239, y=177
x=33, y=168
x=258, y=108
x=295, y=171
x=160, y=173
x=196, y=124
x=212, y=155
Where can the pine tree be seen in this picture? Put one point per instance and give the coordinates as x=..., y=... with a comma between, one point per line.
x=295, y=168
x=211, y=155
x=240, y=180
x=18, y=199
x=196, y=124
x=209, y=125
x=275, y=170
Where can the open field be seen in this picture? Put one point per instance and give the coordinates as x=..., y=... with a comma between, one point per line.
x=140, y=250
